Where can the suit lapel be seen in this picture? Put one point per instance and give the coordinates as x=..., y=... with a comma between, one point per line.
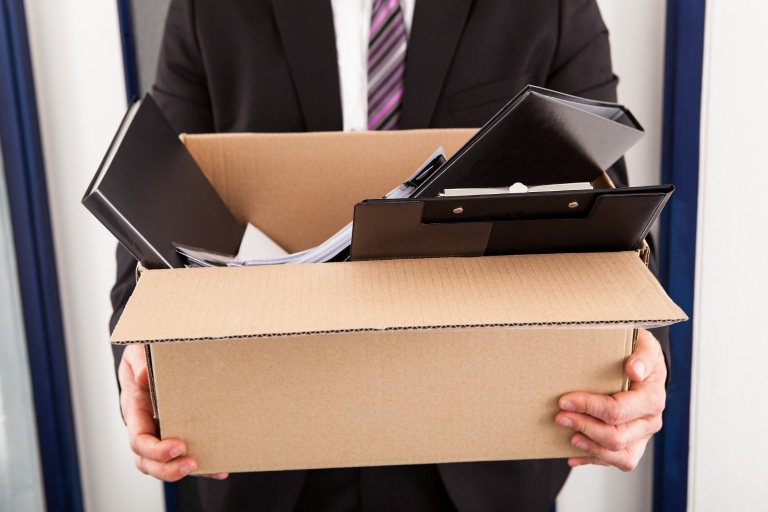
x=308, y=37
x=437, y=27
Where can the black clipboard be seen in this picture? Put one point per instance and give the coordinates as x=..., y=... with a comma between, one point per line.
x=533, y=223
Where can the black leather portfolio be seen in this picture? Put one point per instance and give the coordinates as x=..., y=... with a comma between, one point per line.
x=149, y=192
x=538, y=138
x=529, y=223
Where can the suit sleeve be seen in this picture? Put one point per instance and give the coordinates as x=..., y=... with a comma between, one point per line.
x=181, y=84
x=582, y=67
x=181, y=91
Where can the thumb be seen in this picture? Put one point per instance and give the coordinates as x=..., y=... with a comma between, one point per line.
x=142, y=377
x=137, y=360
x=645, y=357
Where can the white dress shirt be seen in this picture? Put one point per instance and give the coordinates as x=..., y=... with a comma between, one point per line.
x=351, y=21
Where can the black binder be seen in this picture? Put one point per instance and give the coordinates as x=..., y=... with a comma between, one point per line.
x=532, y=223
x=541, y=137
x=149, y=192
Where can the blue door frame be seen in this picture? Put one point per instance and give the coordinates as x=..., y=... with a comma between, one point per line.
x=680, y=166
x=28, y=200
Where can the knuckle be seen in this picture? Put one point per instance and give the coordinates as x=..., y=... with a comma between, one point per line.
x=168, y=474
x=139, y=462
x=616, y=442
x=628, y=465
x=155, y=451
x=134, y=443
x=600, y=452
x=657, y=424
x=615, y=415
x=596, y=408
x=658, y=407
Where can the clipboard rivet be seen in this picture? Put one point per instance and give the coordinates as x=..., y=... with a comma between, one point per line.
x=573, y=205
x=458, y=210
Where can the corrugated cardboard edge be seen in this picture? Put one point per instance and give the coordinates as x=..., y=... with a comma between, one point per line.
x=542, y=325
x=151, y=379
x=602, y=181
x=139, y=270
x=629, y=349
x=645, y=256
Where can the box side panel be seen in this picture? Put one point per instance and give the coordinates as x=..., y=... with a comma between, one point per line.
x=380, y=398
x=300, y=189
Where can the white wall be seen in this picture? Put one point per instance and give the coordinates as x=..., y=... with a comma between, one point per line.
x=729, y=411
x=77, y=60
x=637, y=43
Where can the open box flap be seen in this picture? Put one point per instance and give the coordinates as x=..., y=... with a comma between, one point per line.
x=441, y=293
x=301, y=188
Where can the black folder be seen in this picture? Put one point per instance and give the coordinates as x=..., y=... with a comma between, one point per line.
x=532, y=223
x=541, y=137
x=149, y=192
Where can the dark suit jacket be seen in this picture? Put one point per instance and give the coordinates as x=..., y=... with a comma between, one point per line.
x=270, y=66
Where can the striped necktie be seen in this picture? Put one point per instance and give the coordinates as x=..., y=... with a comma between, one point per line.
x=386, y=65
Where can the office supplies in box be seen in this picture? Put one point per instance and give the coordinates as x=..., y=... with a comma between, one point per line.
x=150, y=194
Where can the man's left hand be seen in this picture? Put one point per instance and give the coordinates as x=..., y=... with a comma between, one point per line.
x=614, y=430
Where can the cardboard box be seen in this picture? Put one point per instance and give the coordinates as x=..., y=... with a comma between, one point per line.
x=374, y=362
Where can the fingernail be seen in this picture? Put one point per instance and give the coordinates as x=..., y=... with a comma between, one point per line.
x=185, y=469
x=582, y=445
x=565, y=422
x=567, y=405
x=176, y=451
x=639, y=367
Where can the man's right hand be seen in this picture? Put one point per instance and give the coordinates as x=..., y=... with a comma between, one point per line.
x=164, y=459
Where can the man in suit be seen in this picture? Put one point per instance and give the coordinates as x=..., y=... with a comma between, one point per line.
x=318, y=65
